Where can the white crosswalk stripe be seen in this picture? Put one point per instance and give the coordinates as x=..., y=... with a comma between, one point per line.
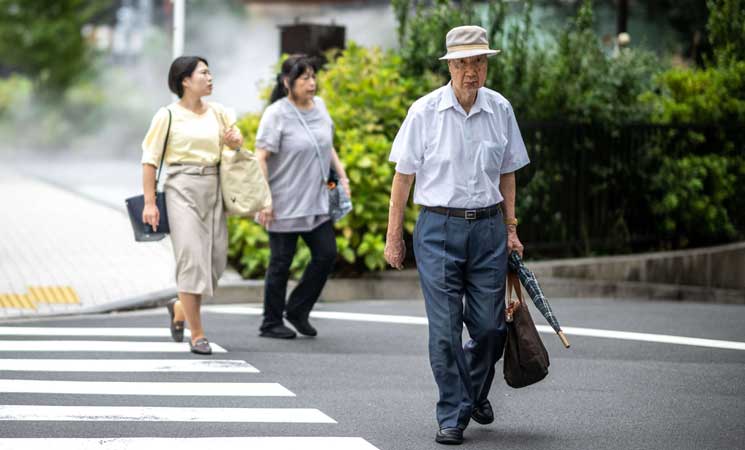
x=100, y=346
x=162, y=414
x=239, y=443
x=144, y=388
x=16, y=384
x=127, y=365
x=91, y=331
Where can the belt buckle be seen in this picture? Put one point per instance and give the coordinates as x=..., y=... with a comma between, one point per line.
x=470, y=214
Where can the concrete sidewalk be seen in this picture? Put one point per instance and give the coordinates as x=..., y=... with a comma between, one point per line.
x=61, y=253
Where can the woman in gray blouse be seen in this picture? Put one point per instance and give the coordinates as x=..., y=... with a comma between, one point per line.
x=287, y=154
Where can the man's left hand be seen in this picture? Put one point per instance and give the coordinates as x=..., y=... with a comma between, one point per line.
x=513, y=242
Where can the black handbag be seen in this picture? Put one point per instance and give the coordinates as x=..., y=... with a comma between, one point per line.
x=135, y=205
x=525, y=358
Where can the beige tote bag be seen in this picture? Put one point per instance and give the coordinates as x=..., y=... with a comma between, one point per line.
x=244, y=188
x=245, y=191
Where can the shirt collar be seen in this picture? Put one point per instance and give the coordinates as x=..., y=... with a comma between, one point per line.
x=448, y=100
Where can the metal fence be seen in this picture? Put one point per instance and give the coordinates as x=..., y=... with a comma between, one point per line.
x=587, y=192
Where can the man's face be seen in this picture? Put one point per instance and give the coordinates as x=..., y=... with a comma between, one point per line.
x=468, y=74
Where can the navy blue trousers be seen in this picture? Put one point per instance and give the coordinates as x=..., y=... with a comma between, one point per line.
x=459, y=258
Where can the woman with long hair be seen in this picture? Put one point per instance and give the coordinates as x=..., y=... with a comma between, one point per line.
x=295, y=136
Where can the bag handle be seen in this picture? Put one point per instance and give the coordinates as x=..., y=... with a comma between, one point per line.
x=312, y=138
x=163, y=153
x=513, y=283
x=223, y=128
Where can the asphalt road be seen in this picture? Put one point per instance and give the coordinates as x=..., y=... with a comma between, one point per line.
x=374, y=380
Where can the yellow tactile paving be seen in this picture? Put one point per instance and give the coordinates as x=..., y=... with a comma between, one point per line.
x=40, y=294
x=17, y=301
x=70, y=295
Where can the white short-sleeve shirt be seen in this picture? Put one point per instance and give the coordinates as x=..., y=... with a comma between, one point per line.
x=459, y=157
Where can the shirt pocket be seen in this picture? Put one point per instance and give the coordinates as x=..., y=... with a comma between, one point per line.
x=491, y=154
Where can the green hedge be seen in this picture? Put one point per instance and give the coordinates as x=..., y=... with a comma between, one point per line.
x=367, y=97
x=683, y=184
x=698, y=196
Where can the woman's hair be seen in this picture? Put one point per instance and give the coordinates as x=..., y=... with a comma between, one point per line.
x=182, y=67
x=292, y=69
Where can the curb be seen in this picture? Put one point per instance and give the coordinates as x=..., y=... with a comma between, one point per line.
x=405, y=286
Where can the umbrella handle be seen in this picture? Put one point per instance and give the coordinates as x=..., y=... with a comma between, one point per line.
x=563, y=338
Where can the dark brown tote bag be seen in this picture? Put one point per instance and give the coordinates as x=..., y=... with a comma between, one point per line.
x=525, y=357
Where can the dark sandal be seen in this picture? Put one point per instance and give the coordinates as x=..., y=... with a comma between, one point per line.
x=177, y=328
x=201, y=347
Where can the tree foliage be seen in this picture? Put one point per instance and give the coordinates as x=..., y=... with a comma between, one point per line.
x=726, y=28
x=43, y=40
x=671, y=183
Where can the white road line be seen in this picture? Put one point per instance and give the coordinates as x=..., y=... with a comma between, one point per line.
x=569, y=331
x=144, y=388
x=73, y=331
x=99, y=346
x=228, y=443
x=645, y=337
x=127, y=365
x=158, y=414
x=357, y=317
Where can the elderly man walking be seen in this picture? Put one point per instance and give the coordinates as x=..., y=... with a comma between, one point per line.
x=463, y=145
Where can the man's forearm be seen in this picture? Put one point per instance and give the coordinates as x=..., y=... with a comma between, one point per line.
x=507, y=188
x=399, y=197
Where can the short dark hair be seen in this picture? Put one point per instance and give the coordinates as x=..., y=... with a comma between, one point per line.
x=293, y=68
x=182, y=67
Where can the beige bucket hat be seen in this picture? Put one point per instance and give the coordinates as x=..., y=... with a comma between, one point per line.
x=467, y=41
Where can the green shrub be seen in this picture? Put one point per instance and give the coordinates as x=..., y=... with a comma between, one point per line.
x=368, y=97
x=691, y=196
x=699, y=96
x=714, y=96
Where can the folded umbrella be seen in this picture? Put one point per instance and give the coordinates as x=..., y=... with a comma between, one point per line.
x=529, y=282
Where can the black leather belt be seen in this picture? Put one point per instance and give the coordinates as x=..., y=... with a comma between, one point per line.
x=468, y=214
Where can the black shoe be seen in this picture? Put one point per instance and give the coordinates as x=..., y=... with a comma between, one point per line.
x=177, y=328
x=483, y=413
x=449, y=436
x=302, y=326
x=278, y=332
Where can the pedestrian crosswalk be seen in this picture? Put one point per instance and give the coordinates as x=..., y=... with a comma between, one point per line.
x=28, y=375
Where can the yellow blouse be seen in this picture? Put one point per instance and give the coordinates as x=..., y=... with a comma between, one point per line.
x=194, y=138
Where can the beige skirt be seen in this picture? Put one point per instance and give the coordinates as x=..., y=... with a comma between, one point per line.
x=199, y=233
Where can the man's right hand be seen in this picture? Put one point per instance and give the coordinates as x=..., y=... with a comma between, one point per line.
x=151, y=215
x=395, y=252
